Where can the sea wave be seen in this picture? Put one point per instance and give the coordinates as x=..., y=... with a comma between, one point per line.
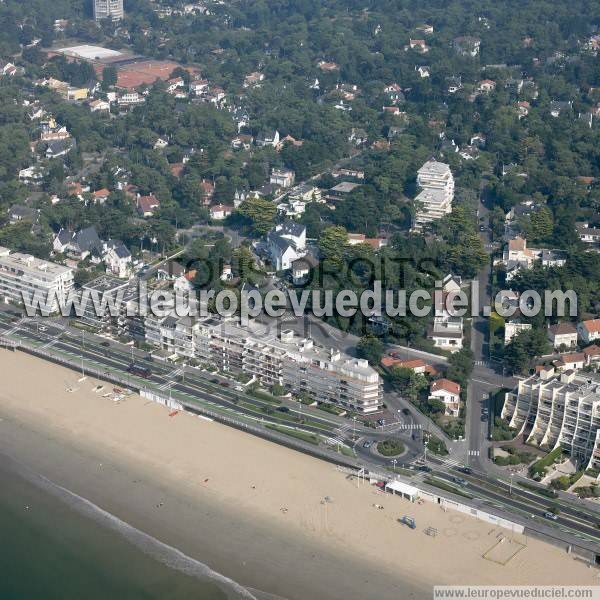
x=159, y=551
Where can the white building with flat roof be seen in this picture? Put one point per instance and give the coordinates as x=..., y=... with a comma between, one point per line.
x=23, y=273
x=325, y=375
x=552, y=410
x=108, y=9
x=435, y=199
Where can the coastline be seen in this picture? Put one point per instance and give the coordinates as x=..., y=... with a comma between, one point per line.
x=249, y=509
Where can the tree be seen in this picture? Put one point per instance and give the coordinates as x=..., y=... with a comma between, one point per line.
x=259, y=213
x=332, y=242
x=460, y=367
x=524, y=347
x=109, y=77
x=371, y=348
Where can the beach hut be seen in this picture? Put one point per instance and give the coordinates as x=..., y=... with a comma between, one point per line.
x=408, y=492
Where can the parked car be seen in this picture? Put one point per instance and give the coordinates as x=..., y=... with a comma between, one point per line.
x=406, y=411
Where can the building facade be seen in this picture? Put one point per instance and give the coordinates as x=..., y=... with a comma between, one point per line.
x=108, y=9
x=435, y=199
x=298, y=364
x=563, y=410
x=23, y=273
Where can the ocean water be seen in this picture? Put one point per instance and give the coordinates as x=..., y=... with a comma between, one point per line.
x=56, y=545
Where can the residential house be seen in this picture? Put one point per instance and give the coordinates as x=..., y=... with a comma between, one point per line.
x=19, y=213
x=79, y=244
x=169, y=271
x=517, y=256
x=486, y=86
x=418, y=46
x=587, y=234
x=558, y=107
x=447, y=392
x=253, y=79
x=58, y=148
x=417, y=365
x=467, y=46
x=423, y=71
x=341, y=191
x=218, y=212
x=513, y=328
x=589, y=331
x=268, y=139
x=360, y=238
x=563, y=334
x=282, y=177
x=99, y=106
x=571, y=361
x=301, y=268
x=286, y=243
x=454, y=84
x=117, y=259
x=147, y=205
x=425, y=28
x=100, y=196
x=327, y=66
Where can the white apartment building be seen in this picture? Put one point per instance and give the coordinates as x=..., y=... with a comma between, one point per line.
x=560, y=410
x=435, y=199
x=288, y=360
x=24, y=273
x=105, y=9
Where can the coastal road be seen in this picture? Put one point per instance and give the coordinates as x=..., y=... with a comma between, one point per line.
x=198, y=385
x=55, y=335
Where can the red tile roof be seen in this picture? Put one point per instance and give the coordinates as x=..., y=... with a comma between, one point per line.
x=446, y=385
x=592, y=326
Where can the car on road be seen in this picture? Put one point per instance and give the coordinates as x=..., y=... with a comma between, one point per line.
x=223, y=383
x=482, y=228
x=424, y=468
x=367, y=444
x=105, y=344
x=283, y=409
x=381, y=422
x=484, y=417
x=43, y=328
x=551, y=516
x=466, y=470
x=460, y=481
x=406, y=411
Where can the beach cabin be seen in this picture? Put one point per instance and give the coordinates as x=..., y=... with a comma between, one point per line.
x=408, y=492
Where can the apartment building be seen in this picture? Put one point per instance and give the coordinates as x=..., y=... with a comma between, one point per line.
x=25, y=273
x=299, y=364
x=108, y=9
x=435, y=199
x=552, y=410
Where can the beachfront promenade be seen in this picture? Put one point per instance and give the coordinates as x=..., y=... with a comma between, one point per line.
x=314, y=436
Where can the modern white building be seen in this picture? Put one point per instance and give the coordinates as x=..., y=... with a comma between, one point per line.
x=23, y=273
x=326, y=375
x=435, y=199
x=108, y=9
x=563, y=410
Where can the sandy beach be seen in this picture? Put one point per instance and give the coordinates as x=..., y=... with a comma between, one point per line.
x=251, y=510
